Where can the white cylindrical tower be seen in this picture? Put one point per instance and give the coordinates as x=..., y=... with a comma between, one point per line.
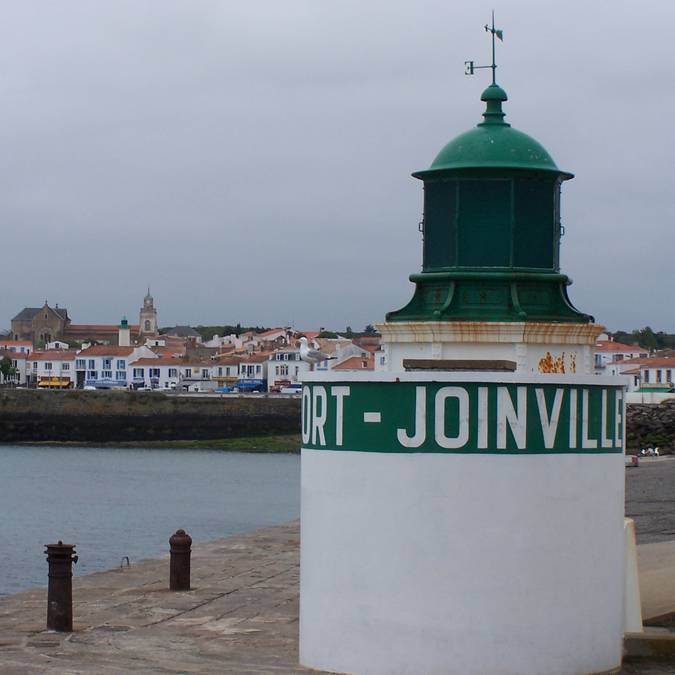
x=462, y=508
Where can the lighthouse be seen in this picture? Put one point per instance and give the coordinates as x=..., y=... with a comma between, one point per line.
x=462, y=507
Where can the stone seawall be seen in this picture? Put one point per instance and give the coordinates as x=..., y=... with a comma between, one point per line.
x=111, y=416
x=651, y=425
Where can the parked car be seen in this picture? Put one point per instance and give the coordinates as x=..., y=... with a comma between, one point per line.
x=631, y=460
x=223, y=390
x=294, y=388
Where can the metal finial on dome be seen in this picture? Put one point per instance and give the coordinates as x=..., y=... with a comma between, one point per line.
x=471, y=67
x=494, y=95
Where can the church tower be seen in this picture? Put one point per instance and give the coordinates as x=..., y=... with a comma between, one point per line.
x=148, y=317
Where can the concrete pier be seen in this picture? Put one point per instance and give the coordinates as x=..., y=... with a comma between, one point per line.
x=241, y=617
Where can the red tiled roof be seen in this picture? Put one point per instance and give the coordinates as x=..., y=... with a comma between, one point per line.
x=98, y=327
x=257, y=357
x=16, y=343
x=160, y=361
x=356, y=363
x=106, y=350
x=612, y=346
x=52, y=355
x=14, y=355
x=272, y=331
x=654, y=362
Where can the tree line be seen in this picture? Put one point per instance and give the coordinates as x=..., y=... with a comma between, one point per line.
x=646, y=338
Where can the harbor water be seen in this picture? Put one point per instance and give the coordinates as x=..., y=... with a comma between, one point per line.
x=117, y=502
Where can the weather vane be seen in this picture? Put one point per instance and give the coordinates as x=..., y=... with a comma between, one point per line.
x=470, y=65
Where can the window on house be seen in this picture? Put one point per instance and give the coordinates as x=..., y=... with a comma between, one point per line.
x=636, y=380
x=107, y=364
x=92, y=365
x=35, y=364
x=106, y=374
x=48, y=366
x=121, y=364
x=93, y=375
x=258, y=369
x=646, y=375
x=139, y=372
x=188, y=372
x=147, y=326
x=120, y=375
x=173, y=372
x=80, y=364
x=669, y=375
x=227, y=370
x=659, y=375
x=65, y=366
x=205, y=373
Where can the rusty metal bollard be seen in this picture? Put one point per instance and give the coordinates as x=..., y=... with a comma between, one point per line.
x=60, y=558
x=179, y=570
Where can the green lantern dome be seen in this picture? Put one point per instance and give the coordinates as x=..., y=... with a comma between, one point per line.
x=493, y=144
x=491, y=229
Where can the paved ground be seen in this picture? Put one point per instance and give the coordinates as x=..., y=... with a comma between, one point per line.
x=242, y=616
x=650, y=499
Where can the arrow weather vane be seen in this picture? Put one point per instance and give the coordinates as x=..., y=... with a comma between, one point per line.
x=470, y=65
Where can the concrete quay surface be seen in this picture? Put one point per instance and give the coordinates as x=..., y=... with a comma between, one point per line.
x=240, y=617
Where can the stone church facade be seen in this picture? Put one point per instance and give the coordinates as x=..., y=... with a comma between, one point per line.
x=40, y=324
x=45, y=324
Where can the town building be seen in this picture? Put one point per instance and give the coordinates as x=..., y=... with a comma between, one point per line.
x=285, y=367
x=18, y=346
x=17, y=376
x=106, y=366
x=609, y=352
x=148, y=317
x=40, y=325
x=51, y=369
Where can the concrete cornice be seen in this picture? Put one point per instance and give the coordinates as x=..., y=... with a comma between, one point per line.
x=490, y=331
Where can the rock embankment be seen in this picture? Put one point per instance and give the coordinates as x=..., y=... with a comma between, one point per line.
x=121, y=416
x=651, y=425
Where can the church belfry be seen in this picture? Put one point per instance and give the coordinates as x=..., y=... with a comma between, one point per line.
x=148, y=317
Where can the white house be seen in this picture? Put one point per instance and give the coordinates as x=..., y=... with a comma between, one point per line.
x=57, y=344
x=51, y=369
x=225, y=370
x=609, y=352
x=20, y=346
x=106, y=366
x=158, y=373
x=18, y=361
x=284, y=367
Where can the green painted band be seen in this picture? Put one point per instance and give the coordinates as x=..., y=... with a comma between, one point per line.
x=466, y=418
x=482, y=275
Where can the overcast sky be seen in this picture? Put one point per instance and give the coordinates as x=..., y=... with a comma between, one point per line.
x=251, y=160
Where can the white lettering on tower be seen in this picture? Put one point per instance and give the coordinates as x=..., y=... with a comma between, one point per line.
x=318, y=418
x=618, y=418
x=306, y=413
x=482, y=442
x=549, y=425
x=459, y=440
x=604, y=441
x=340, y=393
x=507, y=414
x=420, y=432
x=586, y=442
x=573, y=418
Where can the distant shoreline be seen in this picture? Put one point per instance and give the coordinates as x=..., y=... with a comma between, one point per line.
x=266, y=444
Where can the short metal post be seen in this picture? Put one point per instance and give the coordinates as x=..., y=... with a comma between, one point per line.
x=60, y=558
x=179, y=571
